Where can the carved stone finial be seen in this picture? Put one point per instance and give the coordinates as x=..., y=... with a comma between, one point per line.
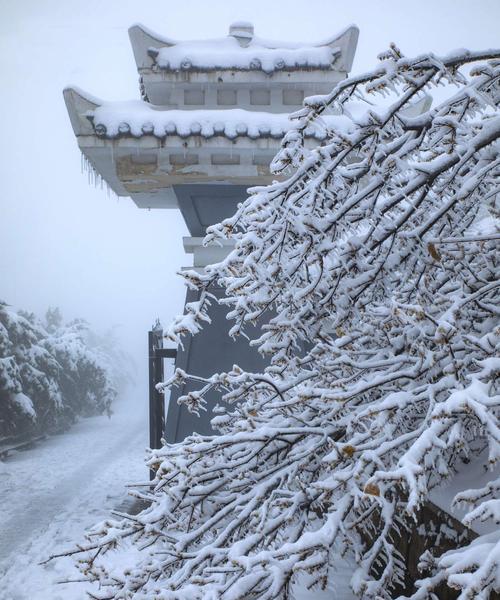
x=242, y=31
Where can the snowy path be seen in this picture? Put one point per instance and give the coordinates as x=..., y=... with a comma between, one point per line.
x=51, y=494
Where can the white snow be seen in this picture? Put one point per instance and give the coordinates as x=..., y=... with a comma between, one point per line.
x=140, y=118
x=472, y=475
x=338, y=584
x=227, y=53
x=51, y=494
x=25, y=404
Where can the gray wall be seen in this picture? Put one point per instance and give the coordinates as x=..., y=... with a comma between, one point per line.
x=202, y=205
x=210, y=351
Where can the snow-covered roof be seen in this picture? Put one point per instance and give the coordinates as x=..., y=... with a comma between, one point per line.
x=91, y=116
x=226, y=53
x=242, y=50
x=137, y=118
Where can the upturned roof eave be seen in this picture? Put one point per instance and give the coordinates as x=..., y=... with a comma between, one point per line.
x=143, y=39
x=161, y=123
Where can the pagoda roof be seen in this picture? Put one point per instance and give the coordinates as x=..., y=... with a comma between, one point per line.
x=149, y=153
x=241, y=50
x=136, y=118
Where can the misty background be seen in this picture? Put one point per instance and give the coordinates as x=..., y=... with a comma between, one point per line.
x=66, y=243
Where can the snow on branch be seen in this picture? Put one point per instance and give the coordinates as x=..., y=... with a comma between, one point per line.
x=374, y=265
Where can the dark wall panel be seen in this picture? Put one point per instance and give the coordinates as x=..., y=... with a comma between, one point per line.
x=210, y=351
x=205, y=204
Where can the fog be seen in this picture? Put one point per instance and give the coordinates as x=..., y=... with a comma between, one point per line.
x=66, y=243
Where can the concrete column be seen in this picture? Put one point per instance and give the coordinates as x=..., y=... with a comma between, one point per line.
x=206, y=255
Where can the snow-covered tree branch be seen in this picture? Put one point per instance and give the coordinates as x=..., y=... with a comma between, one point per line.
x=374, y=264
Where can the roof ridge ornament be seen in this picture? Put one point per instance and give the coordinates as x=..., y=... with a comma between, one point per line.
x=242, y=31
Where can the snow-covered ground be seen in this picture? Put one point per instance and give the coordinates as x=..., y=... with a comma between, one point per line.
x=49, y=495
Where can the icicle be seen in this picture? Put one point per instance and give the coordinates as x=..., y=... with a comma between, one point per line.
x=94, y=178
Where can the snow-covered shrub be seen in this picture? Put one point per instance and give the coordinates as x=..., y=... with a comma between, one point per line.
x=49, y=374
x=376, y=262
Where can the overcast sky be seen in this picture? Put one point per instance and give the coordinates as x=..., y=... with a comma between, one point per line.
x=65, y=243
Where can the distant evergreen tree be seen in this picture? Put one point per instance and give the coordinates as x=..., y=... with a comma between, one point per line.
x=49, y=373
x=53, y=319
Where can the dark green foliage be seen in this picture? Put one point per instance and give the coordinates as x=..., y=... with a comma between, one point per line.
x=50, y=373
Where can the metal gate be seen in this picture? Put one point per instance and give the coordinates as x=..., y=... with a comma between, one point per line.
x=157, y=354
